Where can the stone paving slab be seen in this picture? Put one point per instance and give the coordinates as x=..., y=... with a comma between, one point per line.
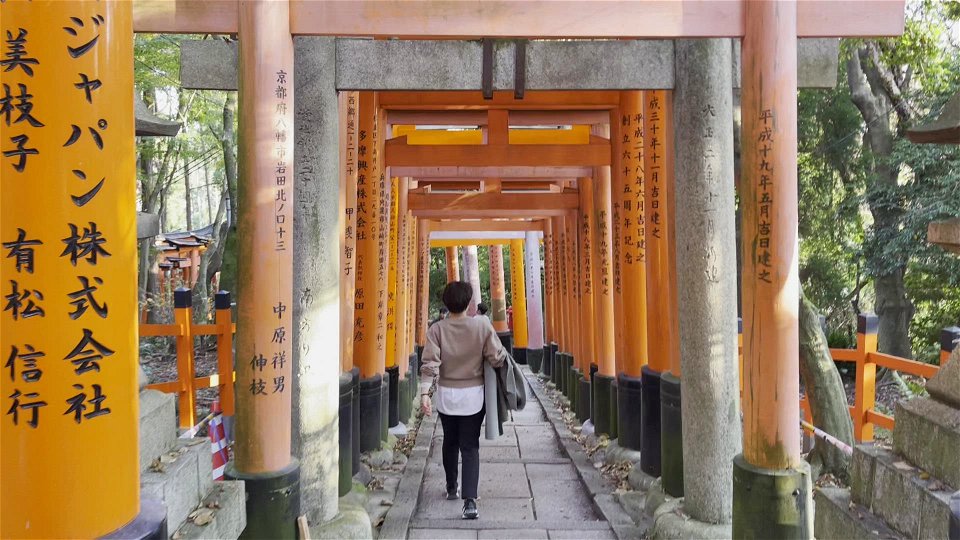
x=482, y=524
x=491, y=509
x=532, y=485
x=442, y=534
x=512, y=534
x=581, y=535
x=542, y=472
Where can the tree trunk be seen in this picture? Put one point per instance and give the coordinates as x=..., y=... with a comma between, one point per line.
x=893, y=308
x=825, y=393
x=186, y=194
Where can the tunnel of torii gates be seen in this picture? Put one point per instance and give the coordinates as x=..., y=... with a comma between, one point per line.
x=631, y=193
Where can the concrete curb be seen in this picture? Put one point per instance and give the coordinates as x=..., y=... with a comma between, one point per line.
x=604, y=501
x=397, y=520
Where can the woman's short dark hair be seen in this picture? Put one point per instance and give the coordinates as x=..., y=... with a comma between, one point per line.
x=457, y=295
x=482, y=308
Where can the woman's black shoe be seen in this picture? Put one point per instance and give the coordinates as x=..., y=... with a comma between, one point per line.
x=470, y=509
x=452, y=494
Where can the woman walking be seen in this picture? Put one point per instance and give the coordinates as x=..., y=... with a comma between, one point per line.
x=455, y=350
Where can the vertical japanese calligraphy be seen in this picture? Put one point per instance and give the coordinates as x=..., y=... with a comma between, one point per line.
x=348, y=103
x=587, y=272
x=68, y=318
x=631, y=187
x=392, y=271
x=369, y=320
x=264, y=305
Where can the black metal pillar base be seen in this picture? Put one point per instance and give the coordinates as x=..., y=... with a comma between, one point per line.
x=404, y=406
x=573, y=388
x=149, y=524
x=554, y=349
x=650, y=422
x=593, y=390
x=371, y=410
x=520, y=355
x=584, y=401
x=419, y=352
x=614, y=408
x=630, y=403
x=568, y=369
x=601, y=422
x=506, y=338
x=671, y=435
x=771, y=503
x=393, y=396
x=346, y=434
x=385, y=407
x=414, y=363
x=355, y=425
x=273, y=501
x=559, y=371
x=535, y=359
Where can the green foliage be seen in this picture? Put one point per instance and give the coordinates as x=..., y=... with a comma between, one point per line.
x=841, y=246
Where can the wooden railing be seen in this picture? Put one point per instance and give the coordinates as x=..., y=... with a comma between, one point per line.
x=867, y=359
x=184, y=330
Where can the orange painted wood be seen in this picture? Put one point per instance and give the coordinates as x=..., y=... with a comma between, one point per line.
x=225, y=360
x=185, y=367
x=903, y=365
x=865, y=387
x=400, y=154
x=147, y=330
x=639, y=308
x=169, y=387
x=666, y=124
x=454, y=202
x=473, y=100
x=605, y=333
x=587, y=282
x=423, y=280
x=616, y=179
x=453, y=264
x=880, y=419
x=483, y=225
x=844, y=355
x=768, y=195
x=521, y=18
x=263, y=404
x=549, y=323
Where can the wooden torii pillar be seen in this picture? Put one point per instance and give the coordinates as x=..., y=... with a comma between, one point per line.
x=518, y=301
x=763, y=447
x=453, y=263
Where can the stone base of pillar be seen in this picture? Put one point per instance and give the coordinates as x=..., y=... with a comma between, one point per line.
x=393, y=396
x=602, y=407
x=385, y=407
x=547, y=367
x=419, y=352
x=371, y=411
x=573, y=389
x=273, y=501
x=554, y=349
x=583, y=398
x=650, y=421
x=671, y=521
x=520, y=355
x=149, y=524
x=614, y=409
x=630, y=405
x=506, y=338
x=771, y=503
x=535, y=359
x=569, y=377
x=671, y=436
x=346, y=434
x=403, y=405
x=355, y=442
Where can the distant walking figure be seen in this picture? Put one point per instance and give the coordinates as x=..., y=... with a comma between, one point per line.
x=456, y=349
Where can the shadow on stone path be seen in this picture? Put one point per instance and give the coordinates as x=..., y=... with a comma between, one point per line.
x=529, y=488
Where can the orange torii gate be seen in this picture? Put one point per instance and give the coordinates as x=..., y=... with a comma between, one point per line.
x=291, y=302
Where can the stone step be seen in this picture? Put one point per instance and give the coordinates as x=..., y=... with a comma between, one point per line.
x=927, y=433
x=227, y=499
x=836, y=516
x=182, y=483
x=897, y=492
x=158, y=425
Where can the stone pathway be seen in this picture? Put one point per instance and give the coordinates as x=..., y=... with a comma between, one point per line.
x=529, y=488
